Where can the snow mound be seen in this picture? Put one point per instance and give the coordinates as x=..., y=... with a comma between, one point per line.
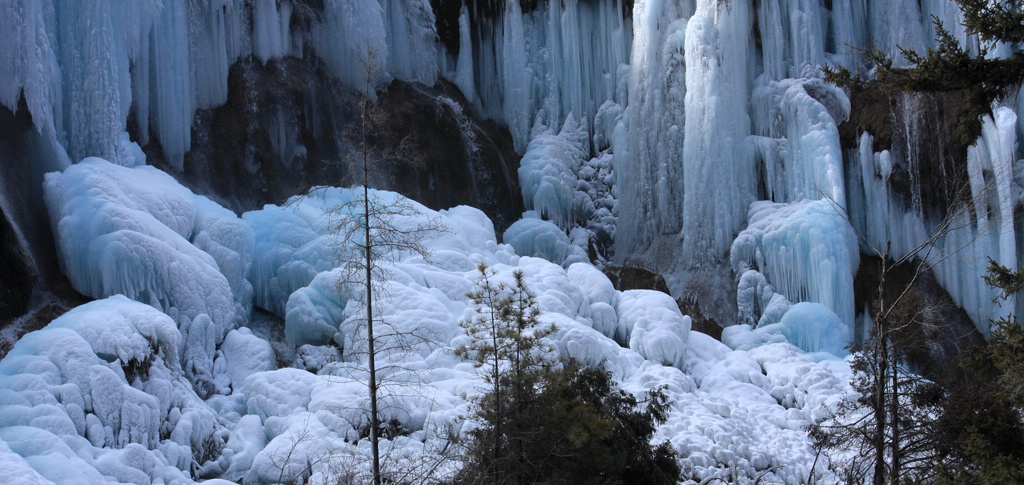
x=533, y=236
x=651, y=324
x=812, y=327
x=126, y=231
x=295, y=242
x=101, y=389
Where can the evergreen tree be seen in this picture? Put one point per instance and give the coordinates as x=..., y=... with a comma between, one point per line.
x=508, y=342
x=950, y=67
x=980, y=428
x=544, y=424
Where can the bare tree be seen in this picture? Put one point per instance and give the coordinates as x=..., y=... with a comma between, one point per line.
x=382, y=228
x=885, y=433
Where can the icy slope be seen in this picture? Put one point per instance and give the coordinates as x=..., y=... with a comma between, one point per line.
x=102, y=386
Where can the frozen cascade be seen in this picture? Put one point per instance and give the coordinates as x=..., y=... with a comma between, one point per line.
x=649, y=159
x=96, y=41
x=849, y=31
x=716, y=160
x=800, y=150
x=561, y=58
x=271, y=33
x=81, y=385
x=807, y=250
x=411, y=40
x=83, y=66
x=171, y=106
x=548, y=174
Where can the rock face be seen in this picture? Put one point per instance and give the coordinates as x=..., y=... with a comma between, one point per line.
x=289, y=125
x=627, y=278
x=270, y=139
x=17, y=271
x=16, y=277
x=457, y=159
x=927, y=128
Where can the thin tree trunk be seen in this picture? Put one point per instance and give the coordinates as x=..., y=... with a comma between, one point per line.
x=497, y=393
x=881, y=376
x=374, y=422
x=894, y=422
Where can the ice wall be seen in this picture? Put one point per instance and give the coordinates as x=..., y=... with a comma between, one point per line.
x=648, y=158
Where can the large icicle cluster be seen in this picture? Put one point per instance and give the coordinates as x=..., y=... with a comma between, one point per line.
x=807, y=250
x=715, y=120
x=84, y=65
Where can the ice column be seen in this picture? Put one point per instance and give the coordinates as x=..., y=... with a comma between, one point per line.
x=464, y=66
x=171, y=93
x=792, y=36
x=895, y=25
x=651, y=171
x=718, y=169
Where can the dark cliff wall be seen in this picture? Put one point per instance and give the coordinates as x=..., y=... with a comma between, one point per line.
x=289, y=125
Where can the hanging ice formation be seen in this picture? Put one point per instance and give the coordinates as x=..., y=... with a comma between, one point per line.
x=83, y=66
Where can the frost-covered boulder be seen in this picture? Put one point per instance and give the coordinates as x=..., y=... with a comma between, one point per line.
x=811, y=327
x=533, y=236
x=101, y=389
x=651, y=324
x=601, y=293
x=127, y=231
x=240, y=355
